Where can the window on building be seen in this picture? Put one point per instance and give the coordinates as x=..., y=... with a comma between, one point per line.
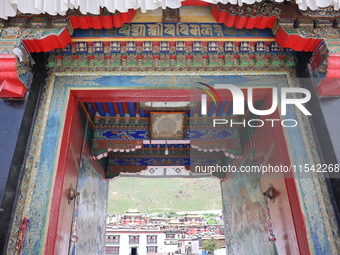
x=152, y=239
x=134, y=239
x=151, y=249
x=112, y=251
x=112, y=239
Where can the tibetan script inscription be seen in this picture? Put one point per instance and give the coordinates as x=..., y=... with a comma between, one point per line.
x=173, y=30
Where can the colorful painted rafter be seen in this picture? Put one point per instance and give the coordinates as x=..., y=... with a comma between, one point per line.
x=135, y=45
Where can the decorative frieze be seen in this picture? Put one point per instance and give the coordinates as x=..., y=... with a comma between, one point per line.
x=165, y=53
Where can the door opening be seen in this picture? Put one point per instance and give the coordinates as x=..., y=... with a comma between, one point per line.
x=266, y=149
x=133, y=250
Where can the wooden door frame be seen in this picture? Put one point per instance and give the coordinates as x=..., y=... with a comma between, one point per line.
x=76, y=95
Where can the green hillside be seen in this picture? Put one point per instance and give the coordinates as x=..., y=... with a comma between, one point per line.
x=161, y=195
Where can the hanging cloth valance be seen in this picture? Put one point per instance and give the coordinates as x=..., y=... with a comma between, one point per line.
x=55, y=7
x=101, y=148
x=230, y=147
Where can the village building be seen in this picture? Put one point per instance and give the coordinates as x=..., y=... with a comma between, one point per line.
x=163, y=237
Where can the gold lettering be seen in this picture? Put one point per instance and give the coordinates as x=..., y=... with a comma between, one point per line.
x=125, y=29
x=169, y=29
x=182, y=29
x=230, y=31
x=254, y=31
x=206, y=30
x=218, y=30
x=154, y=30
x=99, y=32
x=110, y=31
x=243, y=31
x=195, y=30
x=138, y=30
x=160, y=29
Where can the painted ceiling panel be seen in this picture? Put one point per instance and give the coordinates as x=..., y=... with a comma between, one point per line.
x=130, y=110
x=121, y=134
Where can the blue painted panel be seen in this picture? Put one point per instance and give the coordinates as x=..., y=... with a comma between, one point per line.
x=101, y=110
x=112, y=110
x=211, y=109
x=92, y=109
x=192, y=113
x=121, y=109
x=230, y=110
x=132, y=109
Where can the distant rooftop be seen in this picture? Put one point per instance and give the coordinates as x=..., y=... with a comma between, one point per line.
x=193, y=214
x=132, y=211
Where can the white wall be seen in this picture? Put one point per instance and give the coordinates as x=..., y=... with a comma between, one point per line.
x=124, y=244
x=221, y=251
x=170, y=248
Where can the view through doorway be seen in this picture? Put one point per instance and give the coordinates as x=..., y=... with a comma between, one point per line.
x=164, y=215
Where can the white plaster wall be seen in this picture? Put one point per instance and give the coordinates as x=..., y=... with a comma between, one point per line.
x=124, y=244
x=221, y=251
x=142, y=244
x=160, y=242
x=170, y=248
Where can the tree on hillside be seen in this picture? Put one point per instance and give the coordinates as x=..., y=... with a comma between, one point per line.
x=170, y=214
x=211, y=245
x=211, y=218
